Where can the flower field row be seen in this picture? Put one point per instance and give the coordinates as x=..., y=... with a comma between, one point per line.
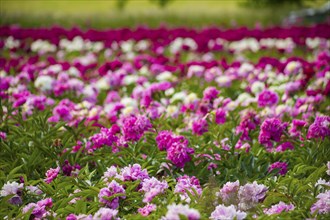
x=165, y=123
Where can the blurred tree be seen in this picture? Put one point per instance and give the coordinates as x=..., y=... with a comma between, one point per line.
x=162, y=3
x=121, y=4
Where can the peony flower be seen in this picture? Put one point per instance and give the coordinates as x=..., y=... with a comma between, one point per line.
x=51, y=174
x=220, y=116
x=322, y=205
x=186, y=183
x=320, y=128
x=250, y=194
x=222, y=212
x=271, y=130
x=210, y=93
x=175, y=211
x=39, y=209
x=106, y=214
x=279, y=208
x=281, y=166
x=112, y=189
x=134, y=127
x=147, y=209
x=228, y=192
x=267, y=98
x=152, y=187
x=199, y=126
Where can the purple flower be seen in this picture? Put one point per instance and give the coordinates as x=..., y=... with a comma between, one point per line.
x=146, y=210
x=271, y=130
x=278, y=208
x=68, y=169
x=229, y=192
x=164, y=139
x=79, y=217
x=152, y=187
x=179, y=153
x=107, y=136
x=320, y=128
x=281, y=166
x=186, y=183
x=175, y=211
x=134, y=127
x=222, y=212
x=322, y=205
x=220, y=116
x=199, y=126
x=250, y=194
x=51, y=174
x=14, y=189
x=3, y=135
x=39, y=208
x=249, y=121
x=112, y=189
x=111, y=172
x=295, y=129
x=132, y=173
x=210, y=93
x=267, y=98
x=285, y=146
x=106, y=214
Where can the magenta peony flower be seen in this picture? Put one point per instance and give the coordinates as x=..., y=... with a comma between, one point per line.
x=3, y=135
x=199, y=126
x=271, y=130
x=179, y=153
x=281, y=166
x=51, y=174
x=135, y=126
x=107, y=136
x=210, y=93
x=220, y=116
x=267, y=98
x=320, y=128
x=164, y=139
x=285, y=146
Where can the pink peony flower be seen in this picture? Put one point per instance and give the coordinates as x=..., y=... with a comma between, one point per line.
x=278, y=208
x=227, y=212
x=51, y=174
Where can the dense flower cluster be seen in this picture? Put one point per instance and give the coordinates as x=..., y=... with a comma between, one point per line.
x=164, y=123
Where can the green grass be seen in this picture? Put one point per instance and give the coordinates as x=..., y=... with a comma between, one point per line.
x=105, y=14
